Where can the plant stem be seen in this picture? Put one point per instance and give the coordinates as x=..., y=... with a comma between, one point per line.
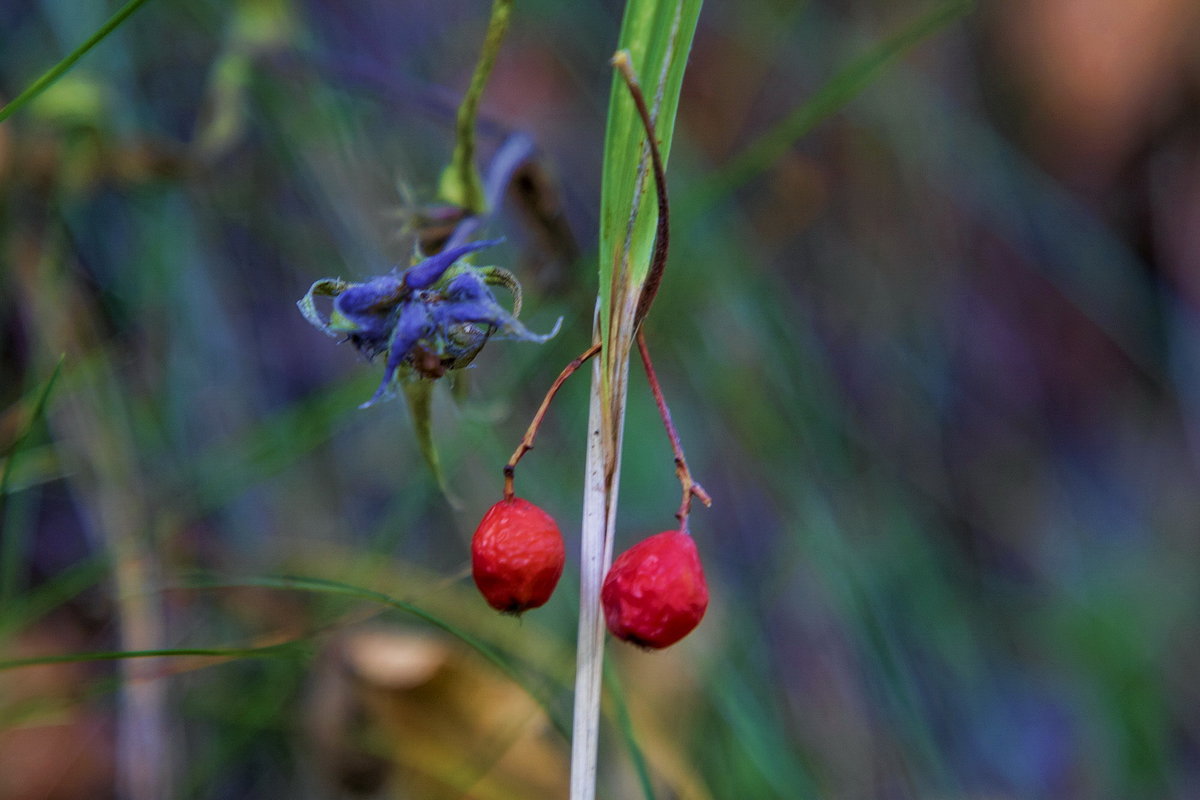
x=603, y=477
x=662, y=231
x=660, y=32
x=527, y=442
x=690, y=487
x=465, y=187
x=658, y=264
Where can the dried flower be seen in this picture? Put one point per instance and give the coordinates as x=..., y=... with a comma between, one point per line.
x=432, y=317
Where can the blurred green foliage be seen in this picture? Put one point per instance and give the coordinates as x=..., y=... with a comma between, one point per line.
x=939, y=378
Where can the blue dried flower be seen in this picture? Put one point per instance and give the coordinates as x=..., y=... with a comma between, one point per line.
x=432, y=317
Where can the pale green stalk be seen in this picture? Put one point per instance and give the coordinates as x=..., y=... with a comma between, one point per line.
x=656, y=36
x=599, y=519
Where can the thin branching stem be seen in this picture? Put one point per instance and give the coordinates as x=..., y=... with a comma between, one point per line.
x=527, y=442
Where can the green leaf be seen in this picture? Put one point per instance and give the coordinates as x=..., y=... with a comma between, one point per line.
x=658, y=36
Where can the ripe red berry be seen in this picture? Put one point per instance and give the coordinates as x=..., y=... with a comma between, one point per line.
x=655, y=593
x=517, y=556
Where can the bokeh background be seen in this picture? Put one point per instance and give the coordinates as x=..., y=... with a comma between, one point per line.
x=938, y=364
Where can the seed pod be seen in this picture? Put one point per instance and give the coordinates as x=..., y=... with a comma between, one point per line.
x=517, y=556
x=655, y=593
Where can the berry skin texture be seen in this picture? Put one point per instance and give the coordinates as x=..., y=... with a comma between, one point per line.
x=655, y=593
x=517, y=556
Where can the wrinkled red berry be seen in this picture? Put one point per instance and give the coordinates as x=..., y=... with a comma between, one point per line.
x=517, y=556
x=655, y=593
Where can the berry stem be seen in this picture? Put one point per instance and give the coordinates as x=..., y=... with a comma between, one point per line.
x=662, y=231
x=527, y=442
x=658, y=264
x=690, y=487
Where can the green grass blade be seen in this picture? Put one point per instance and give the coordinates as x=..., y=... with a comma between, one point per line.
x=317, y=586
x=58, y=70
x=658, y=35
x=37, y=465
x=46, y=597
x=267, y=651
x=840, y=90
x=12, y=544
x=616, y=694
x=329, y=587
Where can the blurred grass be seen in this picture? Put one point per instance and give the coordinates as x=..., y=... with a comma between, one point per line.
x=935, y=392
x=12, y=547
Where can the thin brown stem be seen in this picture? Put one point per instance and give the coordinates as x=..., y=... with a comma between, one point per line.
x=662, y=233
x=527, y=442
x=690, y=487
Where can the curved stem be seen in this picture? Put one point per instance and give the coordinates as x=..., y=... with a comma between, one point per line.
x=662, y=231
x=690, y=487
x=527, y=441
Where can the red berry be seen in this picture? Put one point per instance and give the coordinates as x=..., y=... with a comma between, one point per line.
x=655, y=593
x=517, y=556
